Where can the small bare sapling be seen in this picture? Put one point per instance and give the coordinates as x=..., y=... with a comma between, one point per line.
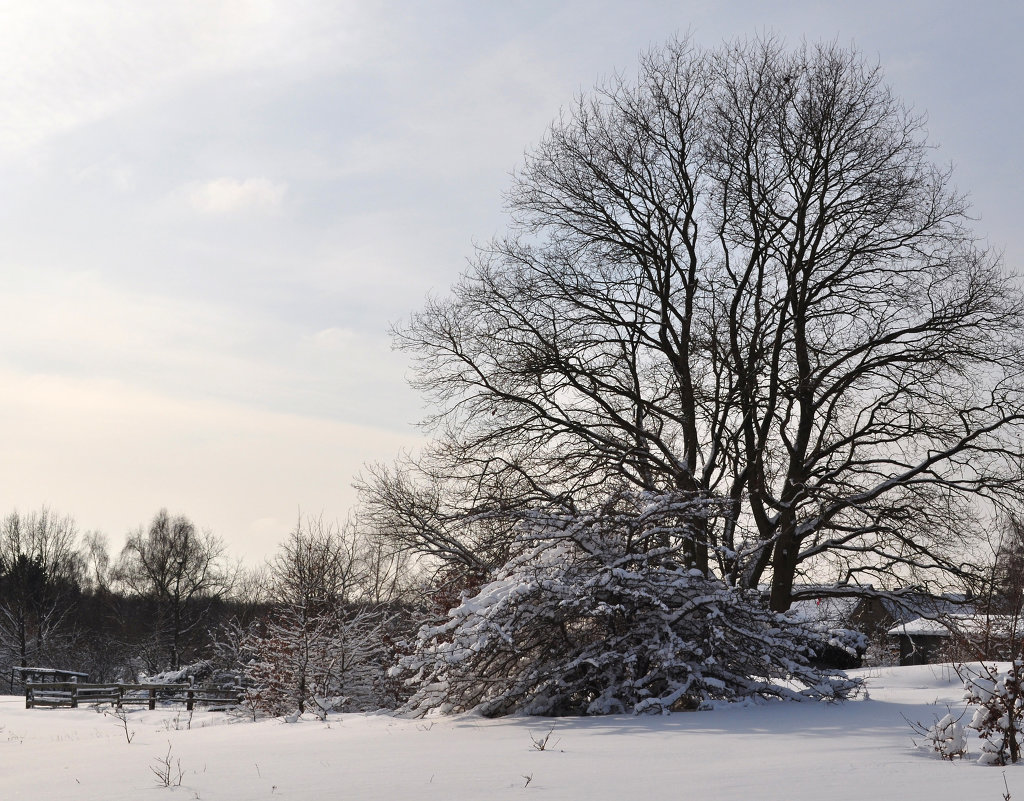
x=167, y=770
x=543, y=743
x=121, y=716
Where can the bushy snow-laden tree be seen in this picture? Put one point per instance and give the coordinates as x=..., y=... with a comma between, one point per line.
x=741, y=276
x=327, y=643
x=330, y=661
x=598, y=613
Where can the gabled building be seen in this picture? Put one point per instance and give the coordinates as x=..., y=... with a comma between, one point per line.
x=957, y=637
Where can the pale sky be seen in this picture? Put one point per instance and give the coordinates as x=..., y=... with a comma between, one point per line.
x=212, y=211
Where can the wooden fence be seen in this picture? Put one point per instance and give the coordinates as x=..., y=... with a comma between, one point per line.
x=71, y=694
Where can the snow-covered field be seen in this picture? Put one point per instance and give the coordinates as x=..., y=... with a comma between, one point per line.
x=858, y=750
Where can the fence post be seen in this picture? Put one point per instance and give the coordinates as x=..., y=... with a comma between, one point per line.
x=28, y=696
x=74, y=695
x=190, y=699
x=152, y=697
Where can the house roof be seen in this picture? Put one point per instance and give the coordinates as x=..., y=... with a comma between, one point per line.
x=946, y=626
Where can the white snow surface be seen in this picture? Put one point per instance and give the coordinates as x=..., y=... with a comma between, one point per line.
x=793, y=751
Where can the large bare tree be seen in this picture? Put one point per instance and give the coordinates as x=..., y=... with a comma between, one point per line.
x=738, y=277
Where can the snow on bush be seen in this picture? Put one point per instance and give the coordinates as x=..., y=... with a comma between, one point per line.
x=999, y=716
x=850, y=642
x=596, y=615
x=205, y=672
x=947, y=737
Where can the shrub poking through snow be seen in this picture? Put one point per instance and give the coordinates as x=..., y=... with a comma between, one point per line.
x=596, y=615
x=947, y=737
x=999, y=714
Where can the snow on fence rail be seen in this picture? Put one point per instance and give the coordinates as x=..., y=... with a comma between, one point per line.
x=71, y=694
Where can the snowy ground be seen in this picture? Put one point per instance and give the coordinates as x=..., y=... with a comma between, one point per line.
x=858, y=750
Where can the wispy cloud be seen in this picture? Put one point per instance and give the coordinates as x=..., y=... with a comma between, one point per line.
x=81, y=327
x=227, y=196
x=68, y=64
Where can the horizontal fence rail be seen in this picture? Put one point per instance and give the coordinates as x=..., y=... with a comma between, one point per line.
x=71, y=694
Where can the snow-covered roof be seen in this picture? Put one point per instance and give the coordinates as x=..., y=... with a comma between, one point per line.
x=1000, y=625
x=38, y=671
x=921, y=626
x=818, y=603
